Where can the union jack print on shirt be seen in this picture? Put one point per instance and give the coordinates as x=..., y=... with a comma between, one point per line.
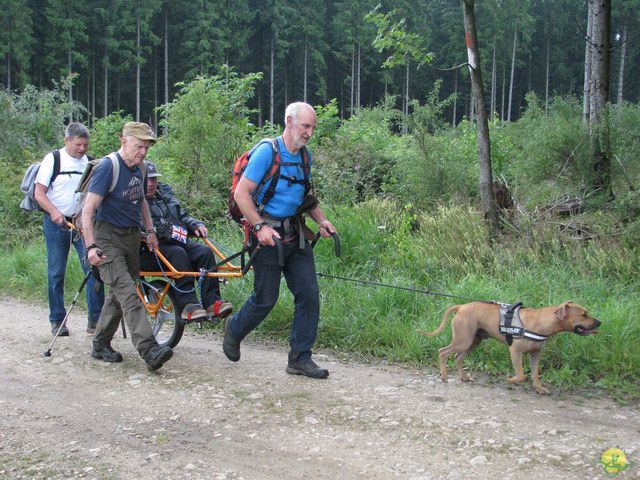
x=179, y=233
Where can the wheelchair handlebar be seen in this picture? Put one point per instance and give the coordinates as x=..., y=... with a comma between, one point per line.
x=336, y=241
x=278, y=245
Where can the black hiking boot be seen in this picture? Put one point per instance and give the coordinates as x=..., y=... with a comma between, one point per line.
x=157, y=356
x=230, y=346
x=91, y=328
x=64, y=331
x=307, y=368
x=107, y=354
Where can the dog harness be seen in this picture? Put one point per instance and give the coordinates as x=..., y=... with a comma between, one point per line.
x=511, y=325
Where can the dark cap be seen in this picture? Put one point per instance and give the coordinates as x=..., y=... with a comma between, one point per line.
x=152, y=170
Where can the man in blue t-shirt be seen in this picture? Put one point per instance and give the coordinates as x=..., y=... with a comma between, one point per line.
x=277, y=218
x=113, y=244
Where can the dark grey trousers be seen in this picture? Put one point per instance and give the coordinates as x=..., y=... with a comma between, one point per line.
x=119, y=271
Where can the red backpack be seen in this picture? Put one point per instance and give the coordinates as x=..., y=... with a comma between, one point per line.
x=272, y=174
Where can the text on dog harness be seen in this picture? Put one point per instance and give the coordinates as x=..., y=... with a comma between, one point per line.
x=511, y=325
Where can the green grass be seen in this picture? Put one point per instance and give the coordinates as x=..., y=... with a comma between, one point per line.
x=443, y=251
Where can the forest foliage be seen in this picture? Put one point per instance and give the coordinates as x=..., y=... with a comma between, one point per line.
x=406, y=207
x=132, y=56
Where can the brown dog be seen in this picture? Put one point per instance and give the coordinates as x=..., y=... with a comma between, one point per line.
x=476, y=321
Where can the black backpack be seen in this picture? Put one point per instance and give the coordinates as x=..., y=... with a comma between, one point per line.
x=28, y=185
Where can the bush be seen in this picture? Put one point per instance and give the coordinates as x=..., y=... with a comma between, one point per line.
x=625, y=146
x=205, y=128
x=551, y=155
x=105, y=134
x=31, y=124
x=441, y=169
x=357, y=163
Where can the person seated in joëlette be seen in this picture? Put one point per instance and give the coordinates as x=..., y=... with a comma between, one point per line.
x=174, y=226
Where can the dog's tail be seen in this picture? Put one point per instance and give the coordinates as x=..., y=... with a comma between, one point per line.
x=443, y=324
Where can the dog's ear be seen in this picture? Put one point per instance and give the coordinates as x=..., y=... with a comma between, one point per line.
x=562, y=311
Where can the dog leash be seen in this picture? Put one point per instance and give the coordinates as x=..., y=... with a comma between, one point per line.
x=409, y=289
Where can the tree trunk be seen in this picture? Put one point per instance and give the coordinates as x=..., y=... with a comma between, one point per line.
x=586, y=96
x=455, y=100
x=513, y=68
x=271, y=74
x=406, y=101
x=493, y=81
x=286, y=89
x=358, y=83
x=406, y=92
x=166, y=54
x=504, y=86
x=105, y=105
x=546, y=81
x=472, y=106
x=529, y=73
x=599, y=94
x=155, y=89
x=9, y=71
x=487, y=197
x=623, y=54
x=260, y=109
x=353, y=79
x=70, y=65
x=89, y=111
x=93, y=90
x=139, y=54
x=306, y=47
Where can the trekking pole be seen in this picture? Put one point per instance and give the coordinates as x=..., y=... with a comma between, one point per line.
x=75, y=299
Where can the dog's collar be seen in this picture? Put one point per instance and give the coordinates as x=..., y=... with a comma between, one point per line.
x=511, y=325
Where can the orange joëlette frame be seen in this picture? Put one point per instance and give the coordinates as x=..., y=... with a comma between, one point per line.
x=223, y=271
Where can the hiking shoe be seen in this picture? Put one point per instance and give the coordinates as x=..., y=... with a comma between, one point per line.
x=230, y=346
x=107, y=354
x=91, y=328
x=157, y=356
x=219, y=309
x=64, y=331
x=308, y=369
x=193, y=311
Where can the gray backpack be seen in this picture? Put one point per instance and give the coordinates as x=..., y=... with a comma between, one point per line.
x=83, y=187
x=28, y=185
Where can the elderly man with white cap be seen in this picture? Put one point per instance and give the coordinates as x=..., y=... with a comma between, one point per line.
x=113, y=245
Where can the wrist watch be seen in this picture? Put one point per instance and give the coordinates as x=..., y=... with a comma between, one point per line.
x=151, y=230
x=258, y=226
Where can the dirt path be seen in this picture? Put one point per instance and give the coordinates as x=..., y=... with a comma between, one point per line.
x=203, y=417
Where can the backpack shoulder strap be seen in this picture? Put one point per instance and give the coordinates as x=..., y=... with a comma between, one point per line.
x=143, y=170
x=56, y=166
x=115, y=170
x=304, y=153
x=273, y=174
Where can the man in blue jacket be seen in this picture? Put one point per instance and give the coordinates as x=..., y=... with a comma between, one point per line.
x=277, y=218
